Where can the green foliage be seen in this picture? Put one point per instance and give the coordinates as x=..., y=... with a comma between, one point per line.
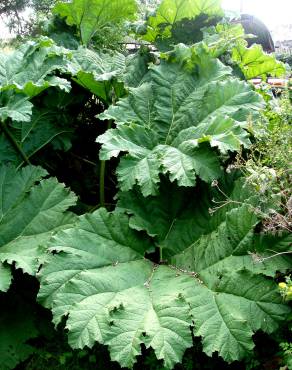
x=255, y=63
x=227, y=41
x=108, y=282
x=30, y=68
x=268, y=166
x=5, y=277
x=287, y=354
x=16, y=107
x=30, y=215
x=275, y=149
x=30, y=137
x=222, y=37
x=94, y=16
x=172, y=252
x=98, y=71
x=172, y=18
x=285, y=58
x=184, y=116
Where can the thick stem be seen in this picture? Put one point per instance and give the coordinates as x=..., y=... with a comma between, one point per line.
x=160, y=255
x=14, y=142
x=102, y=177
x=101, y=184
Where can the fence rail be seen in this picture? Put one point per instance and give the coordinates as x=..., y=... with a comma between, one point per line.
x=287, y=51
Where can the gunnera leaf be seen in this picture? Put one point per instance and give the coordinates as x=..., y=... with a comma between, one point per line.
x=32, y=209
x=100, y=280
x=37, y=65
x=14, y=106
x=31, y=128
x=96, y=71
x=254, y=62
x=181, y=20
x=30, y=68
x=91, y=16
x=136, y=66
x=170, y=122
x=42, y=128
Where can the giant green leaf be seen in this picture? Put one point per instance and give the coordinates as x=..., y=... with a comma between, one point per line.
x=169, y=122
x=14, y=106
x=30, y=68
x=228, y=309
x=274, y=252
x=96, y=71
x=106, y=280
x=100, y=280
x=44, y=126
x=91, y=16
x=178, y=217
x=30, y=214
x=254, y=62
x=163, y=24
x=137, y=66
x=37, y=65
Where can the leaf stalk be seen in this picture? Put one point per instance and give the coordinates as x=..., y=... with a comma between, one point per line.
x=102, y=183
x=11, y=138
x=102, y=171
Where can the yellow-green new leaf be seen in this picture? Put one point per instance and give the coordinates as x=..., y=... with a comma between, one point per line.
x=171, y=11
x=254, y=62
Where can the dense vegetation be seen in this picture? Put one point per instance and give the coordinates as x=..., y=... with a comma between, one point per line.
x=145, y=203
